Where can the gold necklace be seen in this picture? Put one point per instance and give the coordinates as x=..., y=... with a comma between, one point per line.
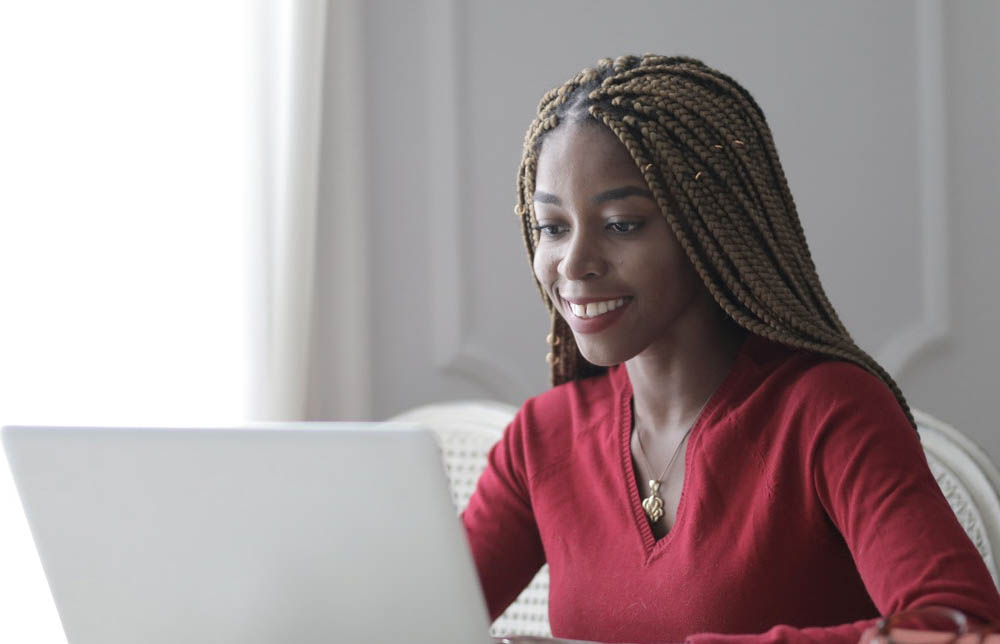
x=653, y=504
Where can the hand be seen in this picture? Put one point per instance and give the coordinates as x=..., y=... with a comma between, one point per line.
x=907, y=636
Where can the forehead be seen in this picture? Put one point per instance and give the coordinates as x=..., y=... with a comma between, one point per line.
x=584, y=155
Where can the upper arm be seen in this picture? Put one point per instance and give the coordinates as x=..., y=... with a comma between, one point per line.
x=500, y=523
x=871, y=475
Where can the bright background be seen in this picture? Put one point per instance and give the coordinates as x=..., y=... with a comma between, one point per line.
x=233, y=210
x=123, y=233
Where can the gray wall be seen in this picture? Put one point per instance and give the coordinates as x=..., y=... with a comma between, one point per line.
x=885, y=115
x=957, y=378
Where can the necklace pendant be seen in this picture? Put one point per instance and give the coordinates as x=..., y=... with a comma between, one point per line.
x=653, y=504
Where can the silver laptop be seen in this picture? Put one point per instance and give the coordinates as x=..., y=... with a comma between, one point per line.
x=303, y=533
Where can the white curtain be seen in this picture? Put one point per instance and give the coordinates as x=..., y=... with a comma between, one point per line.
x=289, y=74
x=158, y=225
x=310, y=348
x=123, y=251
x=340, y=372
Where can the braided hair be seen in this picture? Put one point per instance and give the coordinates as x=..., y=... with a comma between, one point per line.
x=704, y=147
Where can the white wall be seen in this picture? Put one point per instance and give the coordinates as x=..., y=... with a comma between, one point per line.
x=885, y=116
x=957, y=379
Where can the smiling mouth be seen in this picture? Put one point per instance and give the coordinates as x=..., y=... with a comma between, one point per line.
x=595, y=309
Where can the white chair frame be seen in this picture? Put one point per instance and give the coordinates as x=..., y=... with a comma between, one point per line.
x=969, y=480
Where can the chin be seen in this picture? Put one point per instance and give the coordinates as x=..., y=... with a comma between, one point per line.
x=602, y=356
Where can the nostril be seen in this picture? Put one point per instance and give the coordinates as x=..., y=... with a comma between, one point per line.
x=581, y=268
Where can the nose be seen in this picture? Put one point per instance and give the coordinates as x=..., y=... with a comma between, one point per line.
x=582, y=258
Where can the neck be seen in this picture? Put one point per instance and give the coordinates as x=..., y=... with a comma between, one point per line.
x=673, y=379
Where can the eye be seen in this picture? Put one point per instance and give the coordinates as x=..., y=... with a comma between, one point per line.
x=551, y=230
x=624, y=227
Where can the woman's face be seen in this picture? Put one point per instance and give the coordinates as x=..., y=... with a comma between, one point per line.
x=606, y=257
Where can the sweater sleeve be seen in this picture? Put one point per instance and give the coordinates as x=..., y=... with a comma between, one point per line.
x=869, y=472
x=500, y=524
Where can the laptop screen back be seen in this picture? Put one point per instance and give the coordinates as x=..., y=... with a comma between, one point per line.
x=326, y=533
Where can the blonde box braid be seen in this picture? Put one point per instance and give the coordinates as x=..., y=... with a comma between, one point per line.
x=704, y=147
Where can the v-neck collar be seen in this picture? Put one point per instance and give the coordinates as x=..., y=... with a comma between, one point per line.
x=622, y=386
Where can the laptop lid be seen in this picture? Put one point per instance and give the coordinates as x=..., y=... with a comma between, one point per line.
x=319, y=533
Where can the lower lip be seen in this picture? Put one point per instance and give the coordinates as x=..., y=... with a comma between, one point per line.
x=595, y=324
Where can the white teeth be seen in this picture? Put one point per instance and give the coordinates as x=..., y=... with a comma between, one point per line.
x=595, y=308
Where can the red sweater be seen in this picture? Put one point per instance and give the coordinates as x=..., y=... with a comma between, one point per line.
x=807, y=510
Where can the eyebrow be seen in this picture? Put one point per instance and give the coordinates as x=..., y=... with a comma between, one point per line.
x=608, y=195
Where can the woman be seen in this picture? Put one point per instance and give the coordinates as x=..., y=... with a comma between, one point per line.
x=718, y=459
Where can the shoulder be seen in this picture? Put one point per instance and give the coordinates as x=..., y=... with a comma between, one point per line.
x=547, y=426
x=824, y=422
x=813, y=382
x=578, y=404
x=802, y=397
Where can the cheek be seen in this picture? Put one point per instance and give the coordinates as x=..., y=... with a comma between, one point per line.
x=542, y=267
x=686, y=285
x=690, y=276
x=671, y=281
